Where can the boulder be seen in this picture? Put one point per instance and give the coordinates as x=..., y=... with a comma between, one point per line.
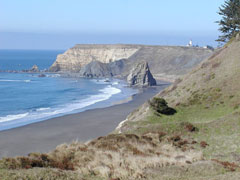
x=41, y=75
x=140, y=75
x=34, y=69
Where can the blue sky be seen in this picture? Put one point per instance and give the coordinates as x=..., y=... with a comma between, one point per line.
x=59, y=24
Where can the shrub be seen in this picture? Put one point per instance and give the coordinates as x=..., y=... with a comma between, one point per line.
x=189, y=127
x=203, y=144
x=160, y=105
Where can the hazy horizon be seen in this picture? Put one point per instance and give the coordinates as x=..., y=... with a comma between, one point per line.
x=59, y=25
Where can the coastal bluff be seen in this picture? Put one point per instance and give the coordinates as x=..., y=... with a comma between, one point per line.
x=165, y=62
x=82, y=54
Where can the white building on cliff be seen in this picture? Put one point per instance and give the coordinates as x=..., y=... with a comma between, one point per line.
x=190, y=44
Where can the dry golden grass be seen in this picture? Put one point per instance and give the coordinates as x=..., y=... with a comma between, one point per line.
x=112, y=156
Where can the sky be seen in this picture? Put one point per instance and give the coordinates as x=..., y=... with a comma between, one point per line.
x=60, y=24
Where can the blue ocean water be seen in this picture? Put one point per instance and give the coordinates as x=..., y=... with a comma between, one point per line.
x=26, y=98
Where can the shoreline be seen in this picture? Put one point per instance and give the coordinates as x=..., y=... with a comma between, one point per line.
x=44, y=136
x=114, y=91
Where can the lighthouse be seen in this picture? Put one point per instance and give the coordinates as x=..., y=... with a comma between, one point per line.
x=190, y=44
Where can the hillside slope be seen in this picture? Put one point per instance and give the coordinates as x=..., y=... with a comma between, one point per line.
x=170, y=61
x=207, y=98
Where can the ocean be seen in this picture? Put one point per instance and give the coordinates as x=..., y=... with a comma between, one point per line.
x=27, y=98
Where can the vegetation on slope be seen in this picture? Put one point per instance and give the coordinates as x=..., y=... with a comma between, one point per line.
x=207, y=100
x=125, y=156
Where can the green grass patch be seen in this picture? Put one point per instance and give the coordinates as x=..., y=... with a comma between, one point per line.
x=219, y=126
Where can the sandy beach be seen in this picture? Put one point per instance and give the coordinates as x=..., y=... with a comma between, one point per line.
x=46, y=135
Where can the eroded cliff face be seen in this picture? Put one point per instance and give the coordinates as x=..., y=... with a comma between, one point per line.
x=165, y=62
x=80, y=55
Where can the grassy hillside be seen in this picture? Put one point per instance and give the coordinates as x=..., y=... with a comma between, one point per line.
x=200, y=141
x=208, y=99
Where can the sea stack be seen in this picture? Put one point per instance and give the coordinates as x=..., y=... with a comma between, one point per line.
x=140, y=75
x=34, y=68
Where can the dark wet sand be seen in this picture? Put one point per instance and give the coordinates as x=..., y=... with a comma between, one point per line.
x=46, y=135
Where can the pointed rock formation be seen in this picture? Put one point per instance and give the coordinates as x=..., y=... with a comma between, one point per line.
x=34, y=68
x=140, y=75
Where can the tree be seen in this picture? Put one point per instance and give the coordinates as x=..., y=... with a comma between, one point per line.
x=161, y=106
x=230, y=22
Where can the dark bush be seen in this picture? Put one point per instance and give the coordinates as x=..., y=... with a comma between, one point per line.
x=203, y=144
x=160, y=105
x=189, y=127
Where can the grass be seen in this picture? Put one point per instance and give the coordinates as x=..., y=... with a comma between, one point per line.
x=218, y=126
x=113, y=156
x=40, y=174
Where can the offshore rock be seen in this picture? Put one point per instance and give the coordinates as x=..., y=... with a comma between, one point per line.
x=41, y=75
x=140, y=75
x=34, y=69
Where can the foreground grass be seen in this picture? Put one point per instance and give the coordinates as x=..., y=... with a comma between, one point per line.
x=219, y=127
x=38, y=174
x=124, y=156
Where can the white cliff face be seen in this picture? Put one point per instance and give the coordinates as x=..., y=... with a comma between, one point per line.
x=80, y=55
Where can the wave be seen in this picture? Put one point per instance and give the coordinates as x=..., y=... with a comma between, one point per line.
x=42, y=109
x=101, y=81
x=53, y=75
x=105, y=94
x=47, y=112
x=12, y=117
x=115, y=83
x=10, y=80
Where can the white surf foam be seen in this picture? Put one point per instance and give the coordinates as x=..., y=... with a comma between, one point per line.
x=12, y=117
x=45, y=113
x=10, y=80
x=101, y=81
x=42, y=109
x=115, y=83
x=53, y=75
x=105, y=94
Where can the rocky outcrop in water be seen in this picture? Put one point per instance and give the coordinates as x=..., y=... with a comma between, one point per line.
x=140, y=75
x=34, y=69
x=41, y=75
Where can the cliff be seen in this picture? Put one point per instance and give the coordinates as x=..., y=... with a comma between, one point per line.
x=80, y=55
x=164, y=61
